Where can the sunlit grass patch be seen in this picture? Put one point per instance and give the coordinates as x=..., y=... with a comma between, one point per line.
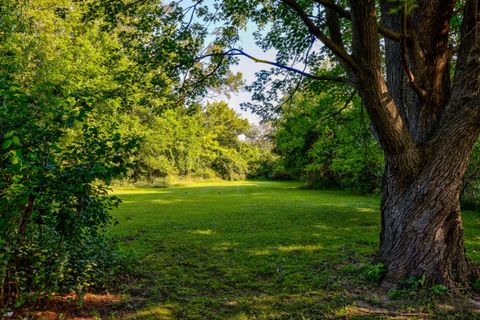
x=154, y=312
x=254, y=250
x=205, y=232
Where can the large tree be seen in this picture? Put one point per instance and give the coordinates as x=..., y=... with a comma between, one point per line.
x=416, y=66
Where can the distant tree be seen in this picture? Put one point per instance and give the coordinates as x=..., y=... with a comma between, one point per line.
x=225, y=123
x=164, y=88
x=203, y=143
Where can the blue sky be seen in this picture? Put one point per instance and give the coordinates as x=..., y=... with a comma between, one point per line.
x=246, y=66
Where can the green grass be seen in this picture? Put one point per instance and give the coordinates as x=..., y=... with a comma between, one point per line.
x=257, y=250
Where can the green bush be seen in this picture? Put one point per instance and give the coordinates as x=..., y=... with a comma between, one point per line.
x=230, y=165
x=60, y=147
x=375, y=272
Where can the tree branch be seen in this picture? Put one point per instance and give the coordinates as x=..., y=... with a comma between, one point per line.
x=290, y=96
x=335, y=7
x=345, y=14
x=345, y=106
x=467, y=73
x=387, y=121
x=329, y=43
x=238, y=52
x=333, y=24
x=388, y=33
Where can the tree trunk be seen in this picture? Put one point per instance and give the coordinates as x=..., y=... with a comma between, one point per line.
x=422, y=232
x=426, y=121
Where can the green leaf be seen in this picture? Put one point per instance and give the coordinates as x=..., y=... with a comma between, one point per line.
x=7, y=143
x=438, y=288
x=16, y=140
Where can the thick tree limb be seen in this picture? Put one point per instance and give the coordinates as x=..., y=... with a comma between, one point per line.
x=392, y=132
x=456, y=126
x=467, y=75
x=314, y=30
x=333, y=24
x=466, y=82
x=418, y=67
x=335, y=7
x=393, y=35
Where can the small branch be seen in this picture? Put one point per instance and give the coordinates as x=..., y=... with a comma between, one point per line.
x=392, y=35
x=238, y=52
x=290, y=97
x=350, y=98
x=205, y=77
x=191, y=16
x=210, y=73
x=193, y=7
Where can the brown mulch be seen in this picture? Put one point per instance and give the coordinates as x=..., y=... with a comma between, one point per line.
x=65, y=307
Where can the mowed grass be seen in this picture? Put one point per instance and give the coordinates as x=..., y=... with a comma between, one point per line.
x=257, y=250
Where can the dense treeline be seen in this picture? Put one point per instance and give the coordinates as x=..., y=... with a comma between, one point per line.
x=199, y=143
x=326, y=141
x=61, y=145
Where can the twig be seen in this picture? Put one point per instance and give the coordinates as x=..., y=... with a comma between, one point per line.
x=350, y=98
x=290, y=97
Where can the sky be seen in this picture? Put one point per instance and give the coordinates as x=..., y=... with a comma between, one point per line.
x=248, y=68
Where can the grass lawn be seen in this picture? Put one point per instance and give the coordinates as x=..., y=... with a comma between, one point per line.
x=261, y=250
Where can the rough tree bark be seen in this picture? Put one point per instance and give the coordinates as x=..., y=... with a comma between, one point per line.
x=426, y=120
x=422, y=232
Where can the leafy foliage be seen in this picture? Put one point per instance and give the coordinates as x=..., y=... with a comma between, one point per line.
x=60, y=148
x=328, y=143
x=202, y=143
x=90, y=92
